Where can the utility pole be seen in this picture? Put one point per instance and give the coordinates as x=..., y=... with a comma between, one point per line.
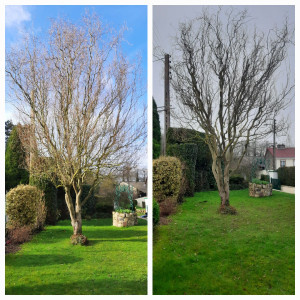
x=167, y=101
x=274, y=146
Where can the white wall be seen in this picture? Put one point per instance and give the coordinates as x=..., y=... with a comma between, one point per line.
x=289, y=162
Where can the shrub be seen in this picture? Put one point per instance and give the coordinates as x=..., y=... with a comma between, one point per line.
x=166, y=178
x=50, y=195
x=286, y=175
x=123, y=210
x=183, y=187
x=258, y=181
x=103, y=210
x=237, y=182
x=20, y=235
x=89, y=207
x=204, y=178
x=236, y=179
x=25, y=206
x=265, y=177
x=62, y=209
x=155, y=212
x=167, y=207
x=187, y=153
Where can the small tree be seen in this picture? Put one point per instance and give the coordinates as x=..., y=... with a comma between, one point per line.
x=83, y=97
x=15, y=157
x=224, y=80
x=156, y=132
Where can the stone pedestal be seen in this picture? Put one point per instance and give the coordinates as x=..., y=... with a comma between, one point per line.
x=124, y=219
x=260, y=190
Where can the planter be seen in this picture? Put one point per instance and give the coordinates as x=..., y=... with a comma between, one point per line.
x=260, y=190
x=124, y=219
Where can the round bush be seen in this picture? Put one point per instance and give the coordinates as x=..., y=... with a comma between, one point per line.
x=155, y=212
x=166, y=178
x=25, y=206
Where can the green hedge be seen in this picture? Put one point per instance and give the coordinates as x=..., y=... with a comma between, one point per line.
x=286, y=175
x=155, y=212
x=89, y=208
x=63, y=212
x=204, y=178
x=50, y=194
x=187, y=153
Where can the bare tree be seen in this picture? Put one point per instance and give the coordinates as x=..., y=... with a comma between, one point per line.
x=84, y=99
x=224, y=78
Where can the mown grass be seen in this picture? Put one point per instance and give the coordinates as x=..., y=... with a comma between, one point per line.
x=202, y=252
x=115, y=262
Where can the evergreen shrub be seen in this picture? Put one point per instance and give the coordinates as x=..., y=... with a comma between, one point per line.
x=166, y=178
x=155, y=212
x=187, y=153
x=204, y=178
x=15, y=156
x=286, y=175
x=50, y=195
x=25, y=206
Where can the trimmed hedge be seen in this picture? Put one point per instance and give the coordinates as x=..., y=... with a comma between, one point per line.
x=166, y=178
x=204, y=178
x=50, y=195
x=155, y=212
x=237, y=182
x=187, y=153
x=25, y=206
x=63, y=212
x=286, y=175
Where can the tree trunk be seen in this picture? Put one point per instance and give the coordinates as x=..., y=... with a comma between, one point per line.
x=77, y=222
x=77, y=225
x=221, y=174
x=75, y=215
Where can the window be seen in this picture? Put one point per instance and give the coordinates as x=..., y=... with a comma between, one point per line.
x=282, y=163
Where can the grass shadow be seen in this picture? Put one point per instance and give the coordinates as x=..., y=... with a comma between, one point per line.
x=40, y=260
x=94, y=286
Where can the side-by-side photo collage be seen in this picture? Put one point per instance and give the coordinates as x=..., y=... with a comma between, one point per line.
x=149, y=148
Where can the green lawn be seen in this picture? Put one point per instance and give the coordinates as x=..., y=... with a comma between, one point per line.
x=202, y=252
x=115, y=262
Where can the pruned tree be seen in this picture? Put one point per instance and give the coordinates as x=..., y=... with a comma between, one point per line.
x=224, y=78
x=83, y=97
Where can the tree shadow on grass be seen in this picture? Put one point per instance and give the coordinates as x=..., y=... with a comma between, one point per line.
x=92, y=286
x=25, y=260
x=55, y=235
x=99, y=241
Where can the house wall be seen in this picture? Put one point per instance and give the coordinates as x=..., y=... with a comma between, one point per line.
x=289, y=162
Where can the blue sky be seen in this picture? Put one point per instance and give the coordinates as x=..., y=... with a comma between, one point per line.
x=20, y=19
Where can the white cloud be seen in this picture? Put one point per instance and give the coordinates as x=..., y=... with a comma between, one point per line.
x=15, y=15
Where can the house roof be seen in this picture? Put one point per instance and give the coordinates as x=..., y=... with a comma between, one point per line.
x=282, y=153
